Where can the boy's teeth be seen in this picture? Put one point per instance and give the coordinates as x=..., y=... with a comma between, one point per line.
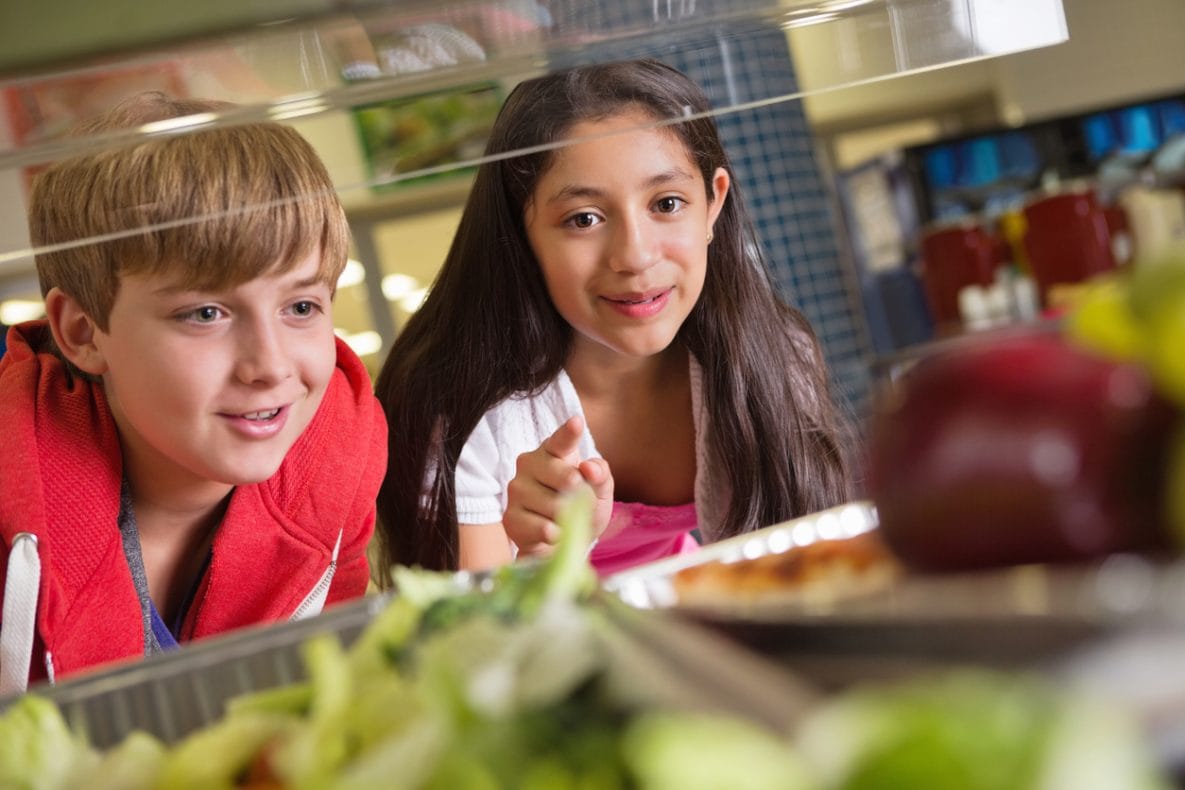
x=261, y=415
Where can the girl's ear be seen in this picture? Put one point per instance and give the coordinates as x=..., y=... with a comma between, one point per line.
x=74, y=332
x=720, y=184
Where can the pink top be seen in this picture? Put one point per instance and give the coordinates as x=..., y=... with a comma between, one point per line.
x=644, y=533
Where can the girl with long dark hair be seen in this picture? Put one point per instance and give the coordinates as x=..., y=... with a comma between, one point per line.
x=603, y=317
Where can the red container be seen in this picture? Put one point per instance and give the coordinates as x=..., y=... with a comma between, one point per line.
x=1068, y=239
x=952, y=258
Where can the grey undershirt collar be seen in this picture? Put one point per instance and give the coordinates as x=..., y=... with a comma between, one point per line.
x=131, y=549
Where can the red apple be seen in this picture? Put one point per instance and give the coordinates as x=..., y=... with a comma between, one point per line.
x=1018, y=448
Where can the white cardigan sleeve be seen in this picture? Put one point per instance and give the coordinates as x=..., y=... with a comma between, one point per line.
x=481, y=493
x=517, y=425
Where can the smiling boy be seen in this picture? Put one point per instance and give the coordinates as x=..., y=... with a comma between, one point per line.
x=189, y=449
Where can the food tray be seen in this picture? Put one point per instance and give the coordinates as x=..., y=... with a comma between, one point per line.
x=649, y=586
x=1006, y=616
x=655, y=660
x=1114, y=627
x=172, y=694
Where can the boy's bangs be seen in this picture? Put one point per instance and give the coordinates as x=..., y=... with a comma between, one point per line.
x=224, y=251
x=262, y=203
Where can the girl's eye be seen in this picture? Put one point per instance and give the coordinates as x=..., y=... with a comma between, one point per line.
x=669, y=205
x=583, y=220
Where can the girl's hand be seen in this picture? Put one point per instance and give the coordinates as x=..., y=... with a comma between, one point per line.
x=544, y=474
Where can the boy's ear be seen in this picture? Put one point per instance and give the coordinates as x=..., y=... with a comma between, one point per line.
x=74, y=332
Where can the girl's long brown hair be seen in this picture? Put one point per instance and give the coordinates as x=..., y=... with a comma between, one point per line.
x=488, y=330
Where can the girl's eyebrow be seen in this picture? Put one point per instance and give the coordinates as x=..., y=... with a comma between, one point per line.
x=568, y=191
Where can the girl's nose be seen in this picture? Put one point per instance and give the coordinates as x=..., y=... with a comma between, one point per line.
x=635, y=246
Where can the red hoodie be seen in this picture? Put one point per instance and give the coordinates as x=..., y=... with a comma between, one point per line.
x=280, y=543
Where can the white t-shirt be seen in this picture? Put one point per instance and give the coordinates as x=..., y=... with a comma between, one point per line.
x=519, y=424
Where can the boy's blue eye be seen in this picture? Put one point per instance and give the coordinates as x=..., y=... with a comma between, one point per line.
x=206, y=314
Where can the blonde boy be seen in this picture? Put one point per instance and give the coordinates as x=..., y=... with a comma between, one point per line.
x=188, y=448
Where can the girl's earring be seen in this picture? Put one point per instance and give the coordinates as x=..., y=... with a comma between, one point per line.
x=710, y=237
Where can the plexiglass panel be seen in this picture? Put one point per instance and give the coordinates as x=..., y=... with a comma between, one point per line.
x=397, y=96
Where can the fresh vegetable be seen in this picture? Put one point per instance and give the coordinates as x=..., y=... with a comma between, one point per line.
x=37, y=749
x=135, y=762
x=507, y=683
x=975, y=730
x=669, y=750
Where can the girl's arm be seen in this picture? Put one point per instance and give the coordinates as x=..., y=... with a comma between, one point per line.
x=482, y=547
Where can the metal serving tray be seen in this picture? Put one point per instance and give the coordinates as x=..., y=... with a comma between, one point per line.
x=1117, y=591
x=172, y=694
x=654, y=659
x=1114, y=627
x=649, y=586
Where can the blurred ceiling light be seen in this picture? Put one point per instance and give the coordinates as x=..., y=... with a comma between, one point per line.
x=183, y=122
x=14, y=311
x=397, y=286
x=353, y=274
x=296, y=106
x=364, y=343
x=995, y=30
x=412, y=301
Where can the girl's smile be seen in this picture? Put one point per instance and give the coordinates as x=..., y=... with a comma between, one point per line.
x=643, y=305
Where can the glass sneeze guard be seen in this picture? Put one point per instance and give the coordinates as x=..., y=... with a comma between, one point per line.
x=314, y=66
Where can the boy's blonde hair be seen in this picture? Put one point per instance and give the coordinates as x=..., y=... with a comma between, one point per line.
x=216, y=207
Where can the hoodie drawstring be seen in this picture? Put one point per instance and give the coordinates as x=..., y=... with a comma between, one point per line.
x=19, y=619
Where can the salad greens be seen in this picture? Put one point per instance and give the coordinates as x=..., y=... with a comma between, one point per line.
x=974, y=730
x=37, y=749
x=509, y=680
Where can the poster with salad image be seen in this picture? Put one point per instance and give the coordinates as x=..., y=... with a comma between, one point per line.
x=412, y=140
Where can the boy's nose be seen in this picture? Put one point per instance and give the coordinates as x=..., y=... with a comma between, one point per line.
x=634, y=247
x=263, y=356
